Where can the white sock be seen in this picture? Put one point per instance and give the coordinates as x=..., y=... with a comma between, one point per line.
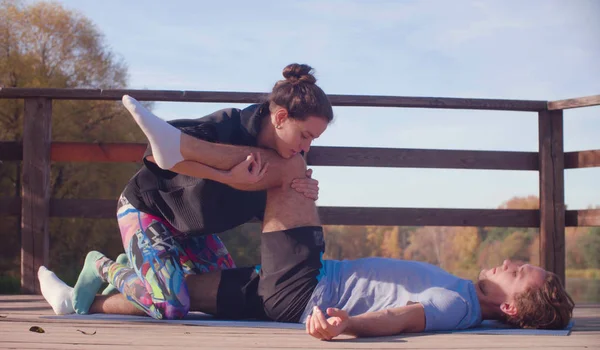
x=56, y=292
x=164, y=138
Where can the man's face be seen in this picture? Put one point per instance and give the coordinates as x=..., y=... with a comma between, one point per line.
x=502, y=283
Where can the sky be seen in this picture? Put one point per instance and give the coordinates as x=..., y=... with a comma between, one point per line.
x=537, y=49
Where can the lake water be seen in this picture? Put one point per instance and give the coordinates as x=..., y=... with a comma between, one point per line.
x=584, y=290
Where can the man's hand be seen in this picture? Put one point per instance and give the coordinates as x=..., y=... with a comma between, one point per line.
x=326, y=329
x=308, y=186
x=249, y=171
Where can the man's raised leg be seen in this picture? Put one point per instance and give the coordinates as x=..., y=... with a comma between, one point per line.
x=56, y=292
x=291, y=248
x=203, y=297
x=171, y=149
x=290, y=217
x=167, y=139
x=286, y=208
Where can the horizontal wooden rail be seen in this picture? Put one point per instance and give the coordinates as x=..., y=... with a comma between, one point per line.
x=321, y=156
x=10, y=206
x=11, y=151
x=252, y=97
x=583, y=217
x=575, y=102
x=428, y=217
x=331, y=156
x=106, y=209
x=582, y=159
x=97, y=152
x=422, y=158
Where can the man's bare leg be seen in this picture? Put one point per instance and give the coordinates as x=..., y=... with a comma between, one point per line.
x=291, y=248
x=170, y=147
x=202, y=289
x=203, y=295
x=114, y=304
x=286, y=208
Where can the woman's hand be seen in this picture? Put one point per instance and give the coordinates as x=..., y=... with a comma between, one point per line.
x=327, y=328
x=249, y=171
x=308, y=186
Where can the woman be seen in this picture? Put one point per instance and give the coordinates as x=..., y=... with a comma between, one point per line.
x=171, y=210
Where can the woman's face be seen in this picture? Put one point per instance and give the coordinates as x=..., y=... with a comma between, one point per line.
x=294, y=136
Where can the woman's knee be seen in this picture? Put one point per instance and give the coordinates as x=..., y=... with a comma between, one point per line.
x=174, y=312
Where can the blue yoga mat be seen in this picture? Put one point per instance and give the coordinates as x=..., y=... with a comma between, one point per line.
x=200, y=319
x=496, y=327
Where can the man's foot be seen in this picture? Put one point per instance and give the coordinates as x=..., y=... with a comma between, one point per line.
x=56, y=292
x=164, y=138
x=123, y=260
x=88, y=282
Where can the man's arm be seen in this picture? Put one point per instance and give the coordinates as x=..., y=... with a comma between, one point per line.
x=405, y=319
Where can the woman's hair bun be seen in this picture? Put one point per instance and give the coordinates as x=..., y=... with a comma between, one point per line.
x=299, y=73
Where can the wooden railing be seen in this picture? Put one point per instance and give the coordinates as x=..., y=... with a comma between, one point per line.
x=37, y=151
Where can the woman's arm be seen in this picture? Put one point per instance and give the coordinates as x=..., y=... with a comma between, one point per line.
x=246, y=176
x=248, y=172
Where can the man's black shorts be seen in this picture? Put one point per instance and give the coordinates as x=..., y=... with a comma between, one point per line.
x=290, y=265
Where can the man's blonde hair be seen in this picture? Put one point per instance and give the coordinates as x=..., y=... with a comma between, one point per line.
x=547, y=307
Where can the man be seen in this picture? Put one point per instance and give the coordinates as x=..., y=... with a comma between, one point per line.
x=364, y=297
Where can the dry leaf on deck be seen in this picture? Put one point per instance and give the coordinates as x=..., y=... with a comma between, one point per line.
x=37, y=329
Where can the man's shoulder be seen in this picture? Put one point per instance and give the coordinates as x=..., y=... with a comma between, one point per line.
x=451, y=308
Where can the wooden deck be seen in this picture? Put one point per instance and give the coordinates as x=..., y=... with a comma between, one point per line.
x=18, y=313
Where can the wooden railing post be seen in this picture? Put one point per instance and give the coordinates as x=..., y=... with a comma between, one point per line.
x=552, y=192
x=35, y=191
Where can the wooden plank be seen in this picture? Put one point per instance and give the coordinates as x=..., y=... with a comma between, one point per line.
x=83, y=208
x=429, y=217
x=106, y=209
x=141, y=333
x=574, y=102
x=582, y=159
x=422, y=158
x=10, y=206
x=552, y=192
x=35, y=190
x=436, y=102
x=80, y=152
x=582, y=217
x=253, y=97
x=97, y=152
x=142, y=95
x=322, y=156
x=11, y=151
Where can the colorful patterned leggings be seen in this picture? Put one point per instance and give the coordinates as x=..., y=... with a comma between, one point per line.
x=159, y=258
